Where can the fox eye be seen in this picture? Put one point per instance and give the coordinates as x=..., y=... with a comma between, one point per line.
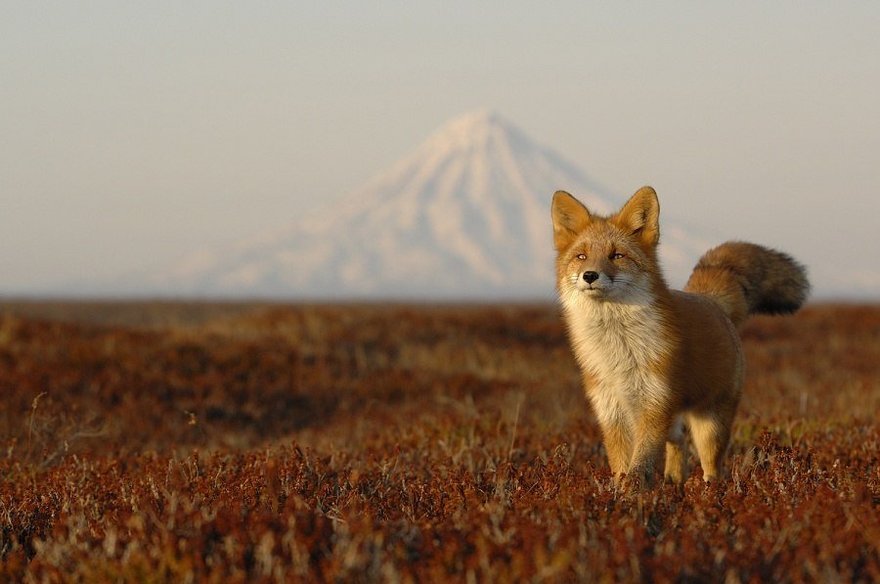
x=582, y=256
x=617, y=255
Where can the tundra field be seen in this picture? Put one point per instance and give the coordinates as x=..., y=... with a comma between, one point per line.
x=159, y=442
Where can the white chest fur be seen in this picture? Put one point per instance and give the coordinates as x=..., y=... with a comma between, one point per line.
x=619, y=346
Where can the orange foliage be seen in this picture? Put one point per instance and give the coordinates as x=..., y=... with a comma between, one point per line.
x=300, y=443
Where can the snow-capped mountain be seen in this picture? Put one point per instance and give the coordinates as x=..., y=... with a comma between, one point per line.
x=465, y=216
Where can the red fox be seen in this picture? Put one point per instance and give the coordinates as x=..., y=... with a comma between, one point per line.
x=655, y=359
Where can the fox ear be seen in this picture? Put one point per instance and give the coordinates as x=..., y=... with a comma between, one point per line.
x=570, y=217
x=640, y=216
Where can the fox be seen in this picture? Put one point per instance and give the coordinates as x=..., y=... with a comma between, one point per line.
x=655, y=361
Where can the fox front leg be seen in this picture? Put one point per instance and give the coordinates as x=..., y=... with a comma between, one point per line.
x=619, y=447
x=648, y=448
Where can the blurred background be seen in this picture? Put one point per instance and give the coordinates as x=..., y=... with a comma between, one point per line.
x=409, y=150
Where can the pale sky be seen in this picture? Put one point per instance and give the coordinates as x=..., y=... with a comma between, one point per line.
x=132, y=133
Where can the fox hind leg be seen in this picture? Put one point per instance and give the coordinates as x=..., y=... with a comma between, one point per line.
x=711, y=434
x=675, y=469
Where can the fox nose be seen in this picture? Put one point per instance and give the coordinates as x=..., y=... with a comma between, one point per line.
x=590, y=277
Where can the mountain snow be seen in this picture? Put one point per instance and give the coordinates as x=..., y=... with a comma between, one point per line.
x=465, y=216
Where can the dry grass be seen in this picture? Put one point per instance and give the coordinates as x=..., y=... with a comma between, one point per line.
x=171, y=442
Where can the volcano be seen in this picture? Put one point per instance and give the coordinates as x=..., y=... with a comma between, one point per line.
x=465, y=217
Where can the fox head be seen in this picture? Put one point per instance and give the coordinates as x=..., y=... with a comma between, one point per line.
x=607, y=258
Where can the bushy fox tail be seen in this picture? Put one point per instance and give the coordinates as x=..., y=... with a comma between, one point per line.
x=744, y=278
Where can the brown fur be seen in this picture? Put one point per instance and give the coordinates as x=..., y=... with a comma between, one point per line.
x=651, y=356
x=745, y=279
